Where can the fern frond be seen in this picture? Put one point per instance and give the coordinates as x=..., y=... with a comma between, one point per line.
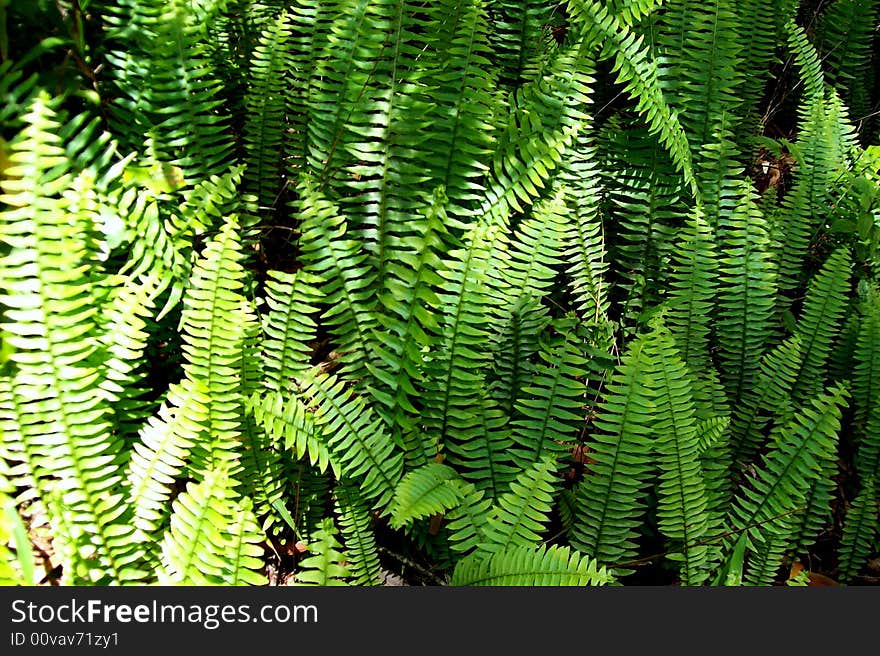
x=356, y=524
x=519, y=516
x=291, y=425
x=486, y=457
x=859, y=531
x=291, y=303
x=819, y=324
x=461, y=81
x=429, y=490
x=682, y=512
x=526, y=566
x=545, y=118
x=453, y=382
x=692, y=294
x=549, y=413
x=161, y=454
x=846, y=32
x=519, y=38
x=700, y=45
x=339, y=261
x=646, y=206
x=166, y=88
x=468, y=520
x=610, y=498
x=746, y=295
x=214, y=324
x=324, y=567
x=52, y=416
x=637, y=72
x=409, y=304
x=765, y=510
x=265, y=105
x=866, y=371
x=513, y=350
x=213, y=538
x=356, y=439
x=585, y=249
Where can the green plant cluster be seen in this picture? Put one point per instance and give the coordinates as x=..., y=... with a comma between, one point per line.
x=486, y=292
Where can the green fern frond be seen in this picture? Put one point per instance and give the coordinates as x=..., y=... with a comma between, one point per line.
x=585, y=248
x=355, y=437
x=453, y=382
x=646, y=204
x=544, y=120
x=18, y=91
x=746, y=295
x=519, y=516
x=265, y=105
x=518, y=38
x=866, y=371
x=700, y=46
x=356, y=524
x=692, y=293
x=526, y=267
x=526, y=566
x=409, y=304
x=166, y=89
x=859, y=531
x=125, y=337
x=610, y=499
x=310, y=28
x=325, y=566
x=513, y=350
x=162, y=451
x=462, y=83
x=682, y=512
x=291, y=303
x=486, y=457
x=550, y=411
x=766, y=509
x=845, y=36
x=637, y=72
x=214, y=324
x=213, y=538
x=817, y=328
x=340, y=263
x=760, y=30
x=468, y=520
x=291, y=425
x=52, y=416
x=429, y=490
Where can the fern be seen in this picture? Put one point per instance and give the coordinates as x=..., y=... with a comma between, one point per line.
x=610, y=500
x=746, y=293
x=345, y=278
x=324, y=566
x=361, y=550
x=363, y=451
x=265, y=105
x=523, y=566
x=167, y=88
x=213, y=537
x=859, y=531
x=682, y=512
x=518, y=516
x=638, y=74
x=56, y=422
x=429, y=490
x=550, y=409
x=765, y=510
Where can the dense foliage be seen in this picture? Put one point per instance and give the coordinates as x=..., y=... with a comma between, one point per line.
x=473, y=292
